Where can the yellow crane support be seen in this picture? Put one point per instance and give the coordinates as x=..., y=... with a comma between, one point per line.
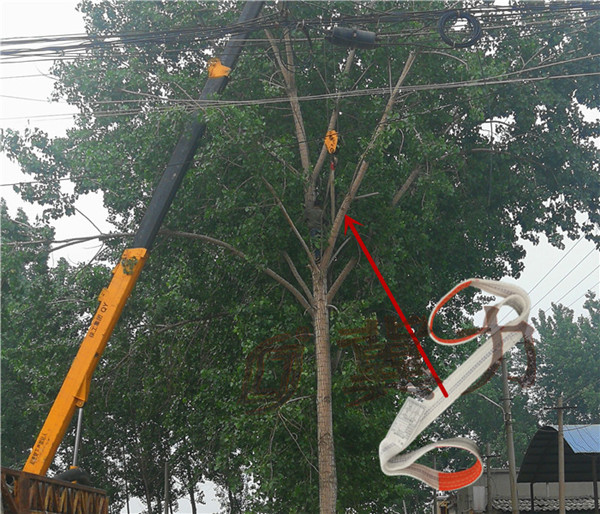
x=75, y=389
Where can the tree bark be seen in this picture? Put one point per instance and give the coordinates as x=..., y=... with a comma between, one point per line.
x=326, y=453
x=192, y=500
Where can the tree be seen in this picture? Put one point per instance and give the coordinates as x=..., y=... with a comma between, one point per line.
x=444, y=179
x=24, y=275
x=565, y=366
x=41, y=324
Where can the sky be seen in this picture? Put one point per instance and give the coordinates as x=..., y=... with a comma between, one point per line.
x=551, y=275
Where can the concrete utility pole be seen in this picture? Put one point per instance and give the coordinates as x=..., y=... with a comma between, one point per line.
x=561, y=459
x=510, y=445
x=509, y=440
x=434, y=510
x=488, y=475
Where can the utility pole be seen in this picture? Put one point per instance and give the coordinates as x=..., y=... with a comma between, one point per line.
x=488, y=476
x=561, y=454
x=509, y=438
x=510, y=445
x=595, y=481
x=435, y=490
x=561, y=459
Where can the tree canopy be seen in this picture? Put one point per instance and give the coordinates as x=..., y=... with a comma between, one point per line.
x=446, y=156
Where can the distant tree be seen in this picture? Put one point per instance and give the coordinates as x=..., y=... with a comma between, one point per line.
x=568, y=364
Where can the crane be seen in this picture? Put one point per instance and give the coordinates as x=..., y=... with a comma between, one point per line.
x=74, y=391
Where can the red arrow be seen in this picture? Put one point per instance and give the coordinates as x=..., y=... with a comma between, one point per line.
x=349, y=222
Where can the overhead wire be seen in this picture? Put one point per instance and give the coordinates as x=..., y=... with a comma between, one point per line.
x=555, y=265
x=578, y=284
x=88, y=42
x=584, y=294
x=565, y=276
x=202, y=104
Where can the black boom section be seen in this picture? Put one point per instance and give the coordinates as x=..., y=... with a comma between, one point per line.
x=190, y=139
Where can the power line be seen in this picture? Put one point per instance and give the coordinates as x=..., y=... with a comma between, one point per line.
x=578, y=283
x=27, y=99
x=483, y=82
x=559, y=261
x=564, y=278
x=589, y=289
x=74, y=43
x=199, y=104
x=29, y=76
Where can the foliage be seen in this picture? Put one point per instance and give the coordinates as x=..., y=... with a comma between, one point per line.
x=42, y=323
x=443, y=201
x=565, y=366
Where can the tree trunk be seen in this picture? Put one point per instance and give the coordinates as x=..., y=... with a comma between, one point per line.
x=192, y=499
x=145, y=480
x=327, y=473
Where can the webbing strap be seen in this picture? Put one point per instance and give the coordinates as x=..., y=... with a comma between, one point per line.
x=416, y=415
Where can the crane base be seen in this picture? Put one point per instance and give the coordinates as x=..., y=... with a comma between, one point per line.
x=25, y=493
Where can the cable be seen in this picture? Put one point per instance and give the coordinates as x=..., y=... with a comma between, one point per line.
x=560, y=260
x=28, y=99
x=472, y=22
x=564, y=278
x=199, y=104
x=80, y=43
x=29, y=76
x=578, y=283
x=589, y=289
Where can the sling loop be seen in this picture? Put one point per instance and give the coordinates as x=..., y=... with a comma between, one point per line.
x=416, y=414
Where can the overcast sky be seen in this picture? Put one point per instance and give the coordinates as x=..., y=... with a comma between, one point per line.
x=25, y=88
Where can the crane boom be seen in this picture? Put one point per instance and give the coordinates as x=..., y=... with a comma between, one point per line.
x=75, y=389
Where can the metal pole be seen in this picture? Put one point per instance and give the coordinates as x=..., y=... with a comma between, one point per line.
x=435, y=490
x=531, y=497
x=488, y=456
x=595, y=480
x=561, y=459
x=77, y=437
x=510, y=445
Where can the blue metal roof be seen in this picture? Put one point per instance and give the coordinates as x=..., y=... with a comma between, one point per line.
x=582, y=438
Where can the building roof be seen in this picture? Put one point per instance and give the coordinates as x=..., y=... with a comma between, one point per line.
x=540, y=464
x=582, y=438
x=546, y=505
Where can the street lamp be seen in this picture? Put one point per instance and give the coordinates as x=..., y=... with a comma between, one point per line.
x=512, y=468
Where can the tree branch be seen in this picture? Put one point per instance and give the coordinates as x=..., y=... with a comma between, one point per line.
x=70, y=241
x=445, y=55
x=297, y=276
x=407, y=183
x=340, y=280
x=267, y=271
x=290, y=222
x=363, y=165
x=292, y=92
x=310, y=193
x=102, y=237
